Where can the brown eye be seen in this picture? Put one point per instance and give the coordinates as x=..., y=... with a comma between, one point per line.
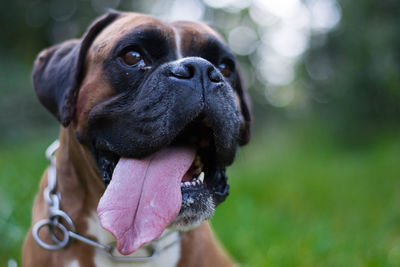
x=224, y=69
x=131, y=58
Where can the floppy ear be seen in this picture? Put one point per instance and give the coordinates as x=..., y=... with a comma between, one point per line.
x=245, y=108
x=58, y=71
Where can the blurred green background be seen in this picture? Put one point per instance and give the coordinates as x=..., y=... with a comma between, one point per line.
x=318, y=185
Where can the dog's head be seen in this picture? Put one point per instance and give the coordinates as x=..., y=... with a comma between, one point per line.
x=161, y=108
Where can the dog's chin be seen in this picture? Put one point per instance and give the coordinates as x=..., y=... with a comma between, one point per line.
x=196, y=208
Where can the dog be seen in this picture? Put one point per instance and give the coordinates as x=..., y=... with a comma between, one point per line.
x=152, y=113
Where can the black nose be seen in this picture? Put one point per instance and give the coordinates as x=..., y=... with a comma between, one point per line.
x=195, y=68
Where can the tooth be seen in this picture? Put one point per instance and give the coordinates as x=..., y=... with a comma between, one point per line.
x=188, y=183
x=198, y=182
x=193, y=183
x=201, y=177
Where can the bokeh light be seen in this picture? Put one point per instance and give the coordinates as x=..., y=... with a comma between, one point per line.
x=284, y=29
x=243, y=40
x=186, y=10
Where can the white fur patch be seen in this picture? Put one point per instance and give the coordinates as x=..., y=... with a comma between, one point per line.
x=177, y=43
x=168, y=257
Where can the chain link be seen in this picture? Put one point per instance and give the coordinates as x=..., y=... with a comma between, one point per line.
x=60, y=222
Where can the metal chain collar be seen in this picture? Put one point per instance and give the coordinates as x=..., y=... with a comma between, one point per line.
x=67, y=227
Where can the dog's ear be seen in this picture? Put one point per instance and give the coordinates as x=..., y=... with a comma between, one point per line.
x=245, y=109
x=58, y=71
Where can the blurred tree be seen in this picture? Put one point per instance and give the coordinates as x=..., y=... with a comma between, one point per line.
x=354, y=71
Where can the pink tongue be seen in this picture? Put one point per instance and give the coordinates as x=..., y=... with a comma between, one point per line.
x=144, y=197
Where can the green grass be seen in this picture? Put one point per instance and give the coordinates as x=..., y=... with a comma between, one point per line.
x=21, y=167
x=297, y=199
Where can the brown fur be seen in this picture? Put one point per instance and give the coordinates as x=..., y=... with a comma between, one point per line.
x=201, y=248
x=77, y=175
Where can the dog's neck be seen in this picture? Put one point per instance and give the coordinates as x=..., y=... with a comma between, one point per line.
x=78, y=179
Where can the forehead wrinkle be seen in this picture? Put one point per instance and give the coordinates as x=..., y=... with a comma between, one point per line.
x=123, y=25
x=149, y=31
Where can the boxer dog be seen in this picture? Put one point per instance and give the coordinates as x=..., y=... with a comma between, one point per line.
x=152, y=113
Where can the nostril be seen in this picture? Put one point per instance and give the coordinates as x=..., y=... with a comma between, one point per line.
x=214, y=75
x=183, y=71
x=190, y=69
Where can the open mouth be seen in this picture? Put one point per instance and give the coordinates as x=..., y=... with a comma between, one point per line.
x=204, y=173
x=177, y=186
